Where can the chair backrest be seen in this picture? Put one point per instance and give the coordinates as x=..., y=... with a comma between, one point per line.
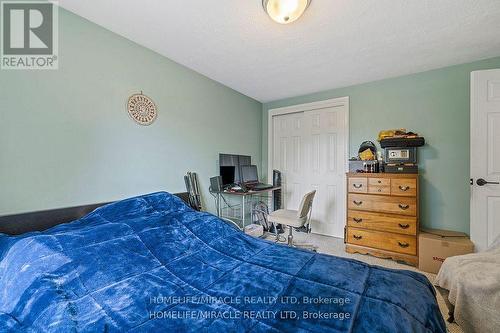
x=305, y=204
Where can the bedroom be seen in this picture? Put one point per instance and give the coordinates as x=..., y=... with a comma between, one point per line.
x=234, y=78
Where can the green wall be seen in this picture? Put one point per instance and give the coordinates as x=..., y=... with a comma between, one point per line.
x=66, y=138
x=434, y=104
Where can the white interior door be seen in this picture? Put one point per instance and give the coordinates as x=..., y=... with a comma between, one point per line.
x=310, y=149
x=485, y=157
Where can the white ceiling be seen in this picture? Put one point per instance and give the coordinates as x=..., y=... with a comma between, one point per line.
x=336, y=43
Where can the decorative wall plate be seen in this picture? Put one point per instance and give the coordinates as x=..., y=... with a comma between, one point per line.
x=142, y=109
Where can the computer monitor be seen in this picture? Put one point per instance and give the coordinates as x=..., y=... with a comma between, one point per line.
x=249, y=174
x=228, y=160
x=227, y=174
x=244, y=160
x=237, y=161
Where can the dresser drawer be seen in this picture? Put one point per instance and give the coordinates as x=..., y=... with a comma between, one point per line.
x=375, y=189
x=379, y=182
x=404, y=187
x=358, y=185
x=382, y=222
x=379, y=185
x=383, y=240
x=383, y=204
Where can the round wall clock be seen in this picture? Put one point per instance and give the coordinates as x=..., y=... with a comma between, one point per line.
x=142, y=109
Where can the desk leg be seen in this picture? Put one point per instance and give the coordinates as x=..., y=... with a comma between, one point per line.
x=243, y=211
x=218, y=204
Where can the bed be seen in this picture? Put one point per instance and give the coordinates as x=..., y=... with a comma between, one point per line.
x=470, y=286
x=151, y=263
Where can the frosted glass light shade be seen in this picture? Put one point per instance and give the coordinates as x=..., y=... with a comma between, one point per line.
x=285, y=11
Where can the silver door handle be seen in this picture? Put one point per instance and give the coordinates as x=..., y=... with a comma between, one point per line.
x=482, y=182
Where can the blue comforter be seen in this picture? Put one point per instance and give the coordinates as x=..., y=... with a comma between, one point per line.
x=151, y=263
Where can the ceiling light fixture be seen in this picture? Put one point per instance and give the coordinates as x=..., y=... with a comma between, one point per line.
x=285, y=11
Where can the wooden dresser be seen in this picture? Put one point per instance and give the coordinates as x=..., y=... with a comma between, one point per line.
x=382, y=215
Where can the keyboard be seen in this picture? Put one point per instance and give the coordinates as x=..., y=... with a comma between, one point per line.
x=260, y=187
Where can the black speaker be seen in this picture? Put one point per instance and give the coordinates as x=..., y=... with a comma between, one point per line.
x=216, y=184
x=277, y=199
x=276, y=178
x=277, y=193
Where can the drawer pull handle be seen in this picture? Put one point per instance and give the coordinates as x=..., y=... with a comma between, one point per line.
x=357, y=185
x=357, y=219
x=403, y=245
x=404, y=207
x=357, y=237
x=404, y=188
x=358, y=203
x=380, y=182
x=404, y=226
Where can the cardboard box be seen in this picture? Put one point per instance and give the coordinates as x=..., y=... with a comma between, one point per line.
x=434, y=246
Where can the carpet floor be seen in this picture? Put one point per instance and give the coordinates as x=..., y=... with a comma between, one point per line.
x=335, y=247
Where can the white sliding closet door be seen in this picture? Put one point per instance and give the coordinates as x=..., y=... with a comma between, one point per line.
x=310, y=149
x=325, y=152
x=288, y=157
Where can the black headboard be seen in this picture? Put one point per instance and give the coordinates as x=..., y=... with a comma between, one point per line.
x=42, y=220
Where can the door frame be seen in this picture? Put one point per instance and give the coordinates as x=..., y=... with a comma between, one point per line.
x=324, y=104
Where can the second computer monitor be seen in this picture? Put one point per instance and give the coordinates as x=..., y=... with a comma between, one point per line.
x=249, y=174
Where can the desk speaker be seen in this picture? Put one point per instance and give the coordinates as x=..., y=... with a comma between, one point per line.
x=216, y=184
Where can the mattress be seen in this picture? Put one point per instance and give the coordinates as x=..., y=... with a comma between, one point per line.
x=151, y=263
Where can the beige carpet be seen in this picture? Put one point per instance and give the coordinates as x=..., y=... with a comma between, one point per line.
x=335, y=246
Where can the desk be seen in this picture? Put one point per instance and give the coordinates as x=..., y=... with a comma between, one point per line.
x=244, y=196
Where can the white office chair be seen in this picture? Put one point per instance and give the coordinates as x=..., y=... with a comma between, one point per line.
x=295, y=218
